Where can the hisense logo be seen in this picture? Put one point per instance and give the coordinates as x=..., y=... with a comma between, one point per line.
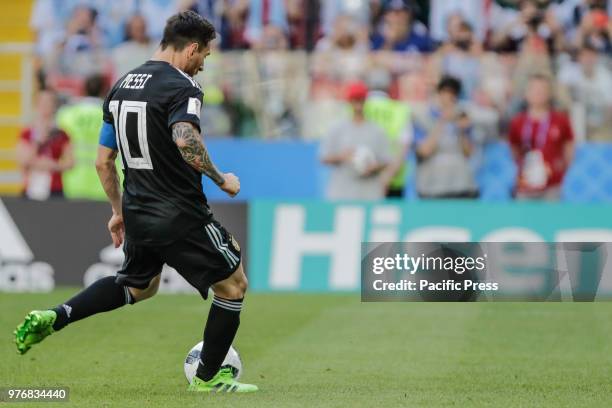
x=293, y=240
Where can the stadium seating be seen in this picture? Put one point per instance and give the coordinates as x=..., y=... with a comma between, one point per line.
x=590, y=177
x=16, y=78
x=497, y=175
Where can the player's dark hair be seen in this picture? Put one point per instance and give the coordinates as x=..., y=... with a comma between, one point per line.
x=94, y=85
x=185, y=28
x=451, y=84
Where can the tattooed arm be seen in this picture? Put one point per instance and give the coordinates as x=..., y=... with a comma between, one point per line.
x=187, y=138
x=189, y=143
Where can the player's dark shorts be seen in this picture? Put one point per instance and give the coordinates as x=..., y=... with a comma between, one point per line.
x=207, y=255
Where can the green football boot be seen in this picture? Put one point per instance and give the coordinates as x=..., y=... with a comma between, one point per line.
x=223, y=381
x=37, y=325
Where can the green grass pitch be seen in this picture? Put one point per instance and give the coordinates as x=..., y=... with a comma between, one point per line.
x=326, y=351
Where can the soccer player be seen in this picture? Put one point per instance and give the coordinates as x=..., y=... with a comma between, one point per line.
x=152, y=118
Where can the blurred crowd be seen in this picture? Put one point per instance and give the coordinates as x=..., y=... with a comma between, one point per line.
x=375, y=80
x=399, y=25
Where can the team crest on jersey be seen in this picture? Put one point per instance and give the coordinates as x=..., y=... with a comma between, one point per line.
x=234, y=243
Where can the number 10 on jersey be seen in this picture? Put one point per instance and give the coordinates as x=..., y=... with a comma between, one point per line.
x=120, y=115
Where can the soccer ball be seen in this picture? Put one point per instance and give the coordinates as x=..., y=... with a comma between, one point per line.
x=232, y=359
x=363, y=159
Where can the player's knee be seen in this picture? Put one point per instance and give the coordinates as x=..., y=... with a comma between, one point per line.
x=232, y=289
x=236, y=290
x=142, y=294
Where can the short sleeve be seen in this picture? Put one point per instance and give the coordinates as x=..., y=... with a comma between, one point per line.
x=186, y=107
x=107, y=136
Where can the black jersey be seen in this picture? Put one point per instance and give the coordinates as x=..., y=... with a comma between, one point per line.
x=162, y=194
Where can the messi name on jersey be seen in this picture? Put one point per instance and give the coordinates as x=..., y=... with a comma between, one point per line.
x=135, y=81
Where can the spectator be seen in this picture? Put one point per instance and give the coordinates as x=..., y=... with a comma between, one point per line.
x=235, y=13
x=471, y=11
x=595, y=27
x=542, y=143
x=580, y=16
x=358, y=151
x=587, y=85
x=459, y=57
x=343, y=54
x=346, y=35
x=272, y=38
x=400, y=31
x=44, y=152
x=82, y=33
x=303, y=17
x=227, y=16
x=535, y=27
x=50, y=19
x=267, y=25
x=534, y=39
x=82, y=50
x=394, y=117
x=47, y=22
x=357, y=10
x=136, y=31
x=443, y=148
x=82, y=120
x=136, y=48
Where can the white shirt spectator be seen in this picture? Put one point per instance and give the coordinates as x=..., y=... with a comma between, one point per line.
x=472, y=11
x=47, y=20
x=359, y=10
x=592, y=100
x=345, y=182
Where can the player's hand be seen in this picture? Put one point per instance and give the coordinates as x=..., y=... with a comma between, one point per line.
x=231, y=185
x=116, y=229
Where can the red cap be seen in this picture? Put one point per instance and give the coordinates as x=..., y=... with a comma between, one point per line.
x=356, y=91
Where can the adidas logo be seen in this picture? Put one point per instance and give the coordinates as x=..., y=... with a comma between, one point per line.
x=68, y=310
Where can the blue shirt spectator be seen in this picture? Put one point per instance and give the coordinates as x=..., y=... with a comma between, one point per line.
x=443, y=146
x=399, y=31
